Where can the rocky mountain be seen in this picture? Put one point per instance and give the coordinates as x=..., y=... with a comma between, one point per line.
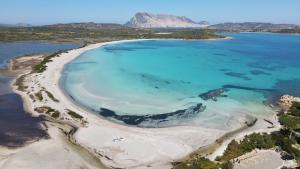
x=147, y=20
x=252, y=26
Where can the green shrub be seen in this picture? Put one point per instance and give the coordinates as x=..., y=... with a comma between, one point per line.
x=41, y=67
x=283, y=140
x=50, y=95
x=249, y=143
x=20, y=83
x=295, y=109
x=39, y=95
x=289, y=121
x=75, y=115
x=203, y=163
x=226, y=165
x=55, y=114
x=44, y=109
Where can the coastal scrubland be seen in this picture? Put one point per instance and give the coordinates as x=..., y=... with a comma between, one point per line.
x=74, y=114
x=292, y=31
x=93, y=33
x=39, y=68
x=203, y=163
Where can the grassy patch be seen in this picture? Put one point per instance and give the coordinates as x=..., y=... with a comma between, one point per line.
x=75, y=115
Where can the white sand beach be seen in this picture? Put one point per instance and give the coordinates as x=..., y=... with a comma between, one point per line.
x=47, y=153
x=114, y=144
x=263, y=159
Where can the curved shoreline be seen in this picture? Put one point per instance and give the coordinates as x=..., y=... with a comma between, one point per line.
x=129, y=120
x=115, y=144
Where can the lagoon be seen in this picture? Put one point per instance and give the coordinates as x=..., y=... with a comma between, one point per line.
x=17, y=126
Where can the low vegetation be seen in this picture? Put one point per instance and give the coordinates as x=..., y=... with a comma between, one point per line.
x=39, y=95
x=48, y=110
x=248, y=144
x=75, y=115
x=92, y=33
x=55, y=114
x=44, y=109
x=295, y=109
x=290, y=121
x=203, y=163
x=41, y=67
x=289, y=137
x=280, y=139
x=292, y=31
x=285, y=139
x=20, y=83
x=197, y=158
x=50, y=95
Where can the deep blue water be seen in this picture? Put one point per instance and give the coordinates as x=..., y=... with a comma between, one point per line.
x=163, y=81
x=14, y=49
x=16, y=125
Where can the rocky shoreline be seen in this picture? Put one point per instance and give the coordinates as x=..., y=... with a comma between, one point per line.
x=286, y=101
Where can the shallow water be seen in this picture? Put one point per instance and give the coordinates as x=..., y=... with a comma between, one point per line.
x=144, y=81
x=17, y=126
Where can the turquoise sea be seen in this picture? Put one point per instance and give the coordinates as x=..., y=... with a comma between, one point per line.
x=159, y=83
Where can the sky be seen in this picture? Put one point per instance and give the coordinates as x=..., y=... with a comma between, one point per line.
x=40, y=12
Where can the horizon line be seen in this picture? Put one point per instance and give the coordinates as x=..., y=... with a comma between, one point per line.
x=56, y=23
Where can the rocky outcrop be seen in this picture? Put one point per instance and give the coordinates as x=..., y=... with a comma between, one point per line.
x=213, y=94
x=146, y=20
x=286, y=101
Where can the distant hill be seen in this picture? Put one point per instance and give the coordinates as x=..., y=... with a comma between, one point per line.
x=147, y=20
x=253, y=27
x=4, y=25
x=16, y=25
x=23, y=25
x=87, y=25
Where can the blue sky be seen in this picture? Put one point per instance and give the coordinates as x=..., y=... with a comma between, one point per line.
x=119, y=11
